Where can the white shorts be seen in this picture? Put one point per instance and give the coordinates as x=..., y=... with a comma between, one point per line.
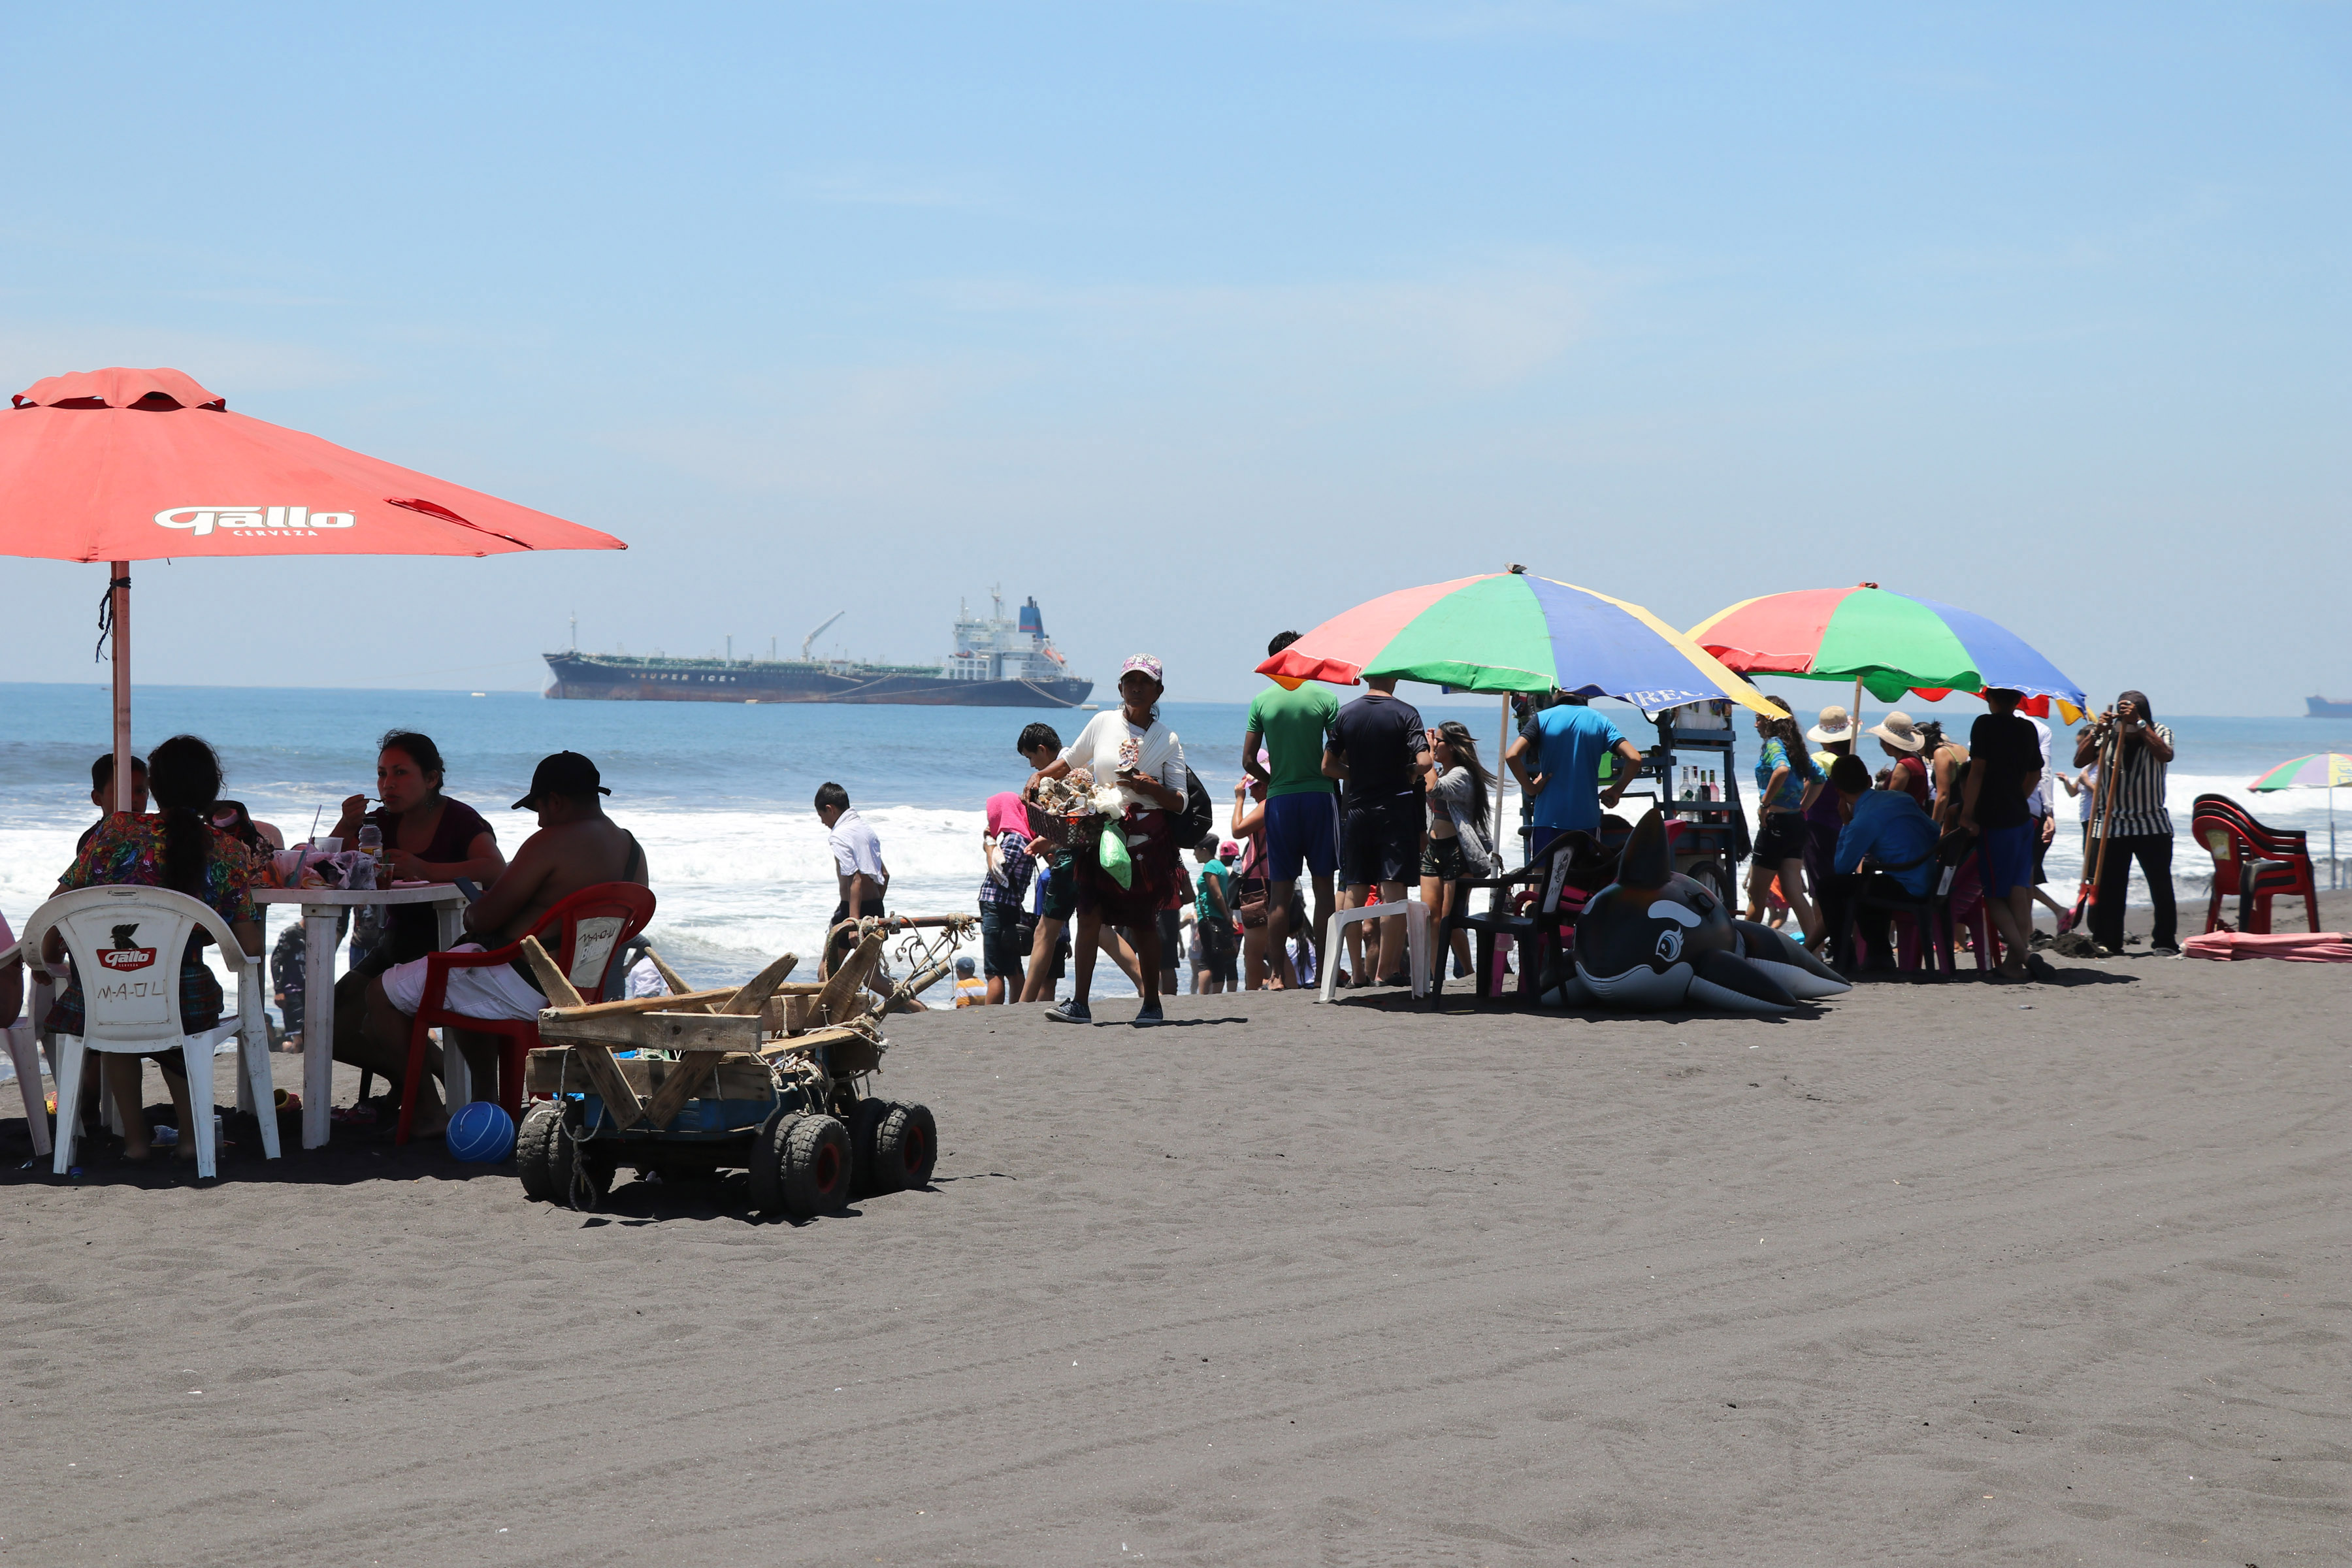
x=495, y=992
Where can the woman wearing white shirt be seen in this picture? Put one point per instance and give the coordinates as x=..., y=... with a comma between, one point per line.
x=1130, y=746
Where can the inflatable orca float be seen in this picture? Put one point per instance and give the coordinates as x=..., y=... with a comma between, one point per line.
x=1656, y=941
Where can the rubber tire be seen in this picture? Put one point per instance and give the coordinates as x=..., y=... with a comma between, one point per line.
x=802, y=1165
x=563, y=1152
x=865, y=1124
x=765, y=1175
x=906, y=1149
x=535, y=1151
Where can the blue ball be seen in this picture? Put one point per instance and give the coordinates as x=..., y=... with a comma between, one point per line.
x=481, y=1132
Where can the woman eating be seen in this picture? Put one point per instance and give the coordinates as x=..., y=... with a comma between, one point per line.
x=427, y=837
x=1786, y=783
x=1458, y=849
x=1130, y=746
x=178, y=847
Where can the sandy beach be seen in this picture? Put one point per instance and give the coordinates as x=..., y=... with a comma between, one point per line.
x=2038, y=1274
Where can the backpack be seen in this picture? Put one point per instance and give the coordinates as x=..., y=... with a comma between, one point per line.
x=1200, y=814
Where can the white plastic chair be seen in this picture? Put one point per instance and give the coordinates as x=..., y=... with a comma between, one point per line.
x=26, y=1055
x=127, y=944
x=1416, y=941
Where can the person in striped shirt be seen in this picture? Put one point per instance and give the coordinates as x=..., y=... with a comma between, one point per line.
x=2132, y=818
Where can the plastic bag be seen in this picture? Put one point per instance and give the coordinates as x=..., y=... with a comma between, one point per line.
x=1114, y=855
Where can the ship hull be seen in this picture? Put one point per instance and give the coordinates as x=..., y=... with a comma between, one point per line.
x=2322, y=707
x=583, y=677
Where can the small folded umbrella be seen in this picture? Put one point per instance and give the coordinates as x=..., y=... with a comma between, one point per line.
x=127, y=465
x=2320, y=770
x=1884, y=642
x=1512, y=631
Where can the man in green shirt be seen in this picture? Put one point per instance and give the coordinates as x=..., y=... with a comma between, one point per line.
x=1302, y=805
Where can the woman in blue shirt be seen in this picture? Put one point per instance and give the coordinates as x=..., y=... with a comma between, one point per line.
x=1786, y=781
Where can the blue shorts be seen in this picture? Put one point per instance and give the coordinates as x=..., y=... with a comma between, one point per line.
x=2008, y=857
x=1302, y=828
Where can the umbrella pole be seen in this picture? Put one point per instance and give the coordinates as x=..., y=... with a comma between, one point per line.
x=119, y=589
x=1502, y=772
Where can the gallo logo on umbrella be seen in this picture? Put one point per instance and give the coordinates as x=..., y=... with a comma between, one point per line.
x=272, y=519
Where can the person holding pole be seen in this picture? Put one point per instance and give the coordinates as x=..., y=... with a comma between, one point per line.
x=2130, y=822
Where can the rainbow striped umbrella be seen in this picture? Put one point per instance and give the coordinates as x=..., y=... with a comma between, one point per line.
x=2321, y=770
x=1889, y=643
x=1511, y=631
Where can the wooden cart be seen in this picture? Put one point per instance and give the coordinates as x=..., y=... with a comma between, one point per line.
x=770, y=1077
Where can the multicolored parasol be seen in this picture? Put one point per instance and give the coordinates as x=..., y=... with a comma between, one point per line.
x=1511, y=631
x=1889, y=643
x=2321, y=770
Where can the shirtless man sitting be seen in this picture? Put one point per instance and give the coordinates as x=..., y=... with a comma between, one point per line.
x=576, y=846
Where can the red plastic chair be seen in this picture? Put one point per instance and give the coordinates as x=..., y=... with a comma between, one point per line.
x=584, y=933
x=2288, y=848
x=2242, y=871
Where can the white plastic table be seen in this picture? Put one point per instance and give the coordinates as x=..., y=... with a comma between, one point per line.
x=322, y=908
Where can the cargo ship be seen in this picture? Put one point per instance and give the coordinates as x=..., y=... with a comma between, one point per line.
x=2327, y=708
x=998, y=662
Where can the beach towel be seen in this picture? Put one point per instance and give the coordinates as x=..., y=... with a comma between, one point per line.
x=2295, y=947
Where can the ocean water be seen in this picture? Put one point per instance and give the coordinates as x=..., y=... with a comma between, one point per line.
x=720, y=793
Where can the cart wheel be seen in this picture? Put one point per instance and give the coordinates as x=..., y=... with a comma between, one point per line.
x=865, y=1124
x=577, y=1177
x=906, y=1148
x=535, y=1152
x=800, y=1165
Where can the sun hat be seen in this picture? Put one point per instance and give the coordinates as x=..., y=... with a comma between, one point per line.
x=1146, y=663
x=1897, y=731
x=1833, y=725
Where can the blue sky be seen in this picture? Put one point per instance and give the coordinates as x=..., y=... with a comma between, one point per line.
x=1201, y=322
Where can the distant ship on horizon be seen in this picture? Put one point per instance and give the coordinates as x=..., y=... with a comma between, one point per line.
x=998, y=662
x=2327, y=708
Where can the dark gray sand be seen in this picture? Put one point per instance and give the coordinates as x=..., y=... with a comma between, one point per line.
x=1979, y=1273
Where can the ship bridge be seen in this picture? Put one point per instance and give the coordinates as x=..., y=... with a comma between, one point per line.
x=993, y=647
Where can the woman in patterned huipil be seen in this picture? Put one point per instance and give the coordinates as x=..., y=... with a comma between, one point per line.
x=176, y=848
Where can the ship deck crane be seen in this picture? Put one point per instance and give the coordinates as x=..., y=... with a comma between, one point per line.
x=808, y=641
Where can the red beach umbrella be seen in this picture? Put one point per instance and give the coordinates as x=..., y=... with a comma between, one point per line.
x=134, y=465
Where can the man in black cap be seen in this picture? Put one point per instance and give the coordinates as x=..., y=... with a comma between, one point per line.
x=576, y=846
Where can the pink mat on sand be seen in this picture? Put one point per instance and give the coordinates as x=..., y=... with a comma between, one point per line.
x=2296, y=947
